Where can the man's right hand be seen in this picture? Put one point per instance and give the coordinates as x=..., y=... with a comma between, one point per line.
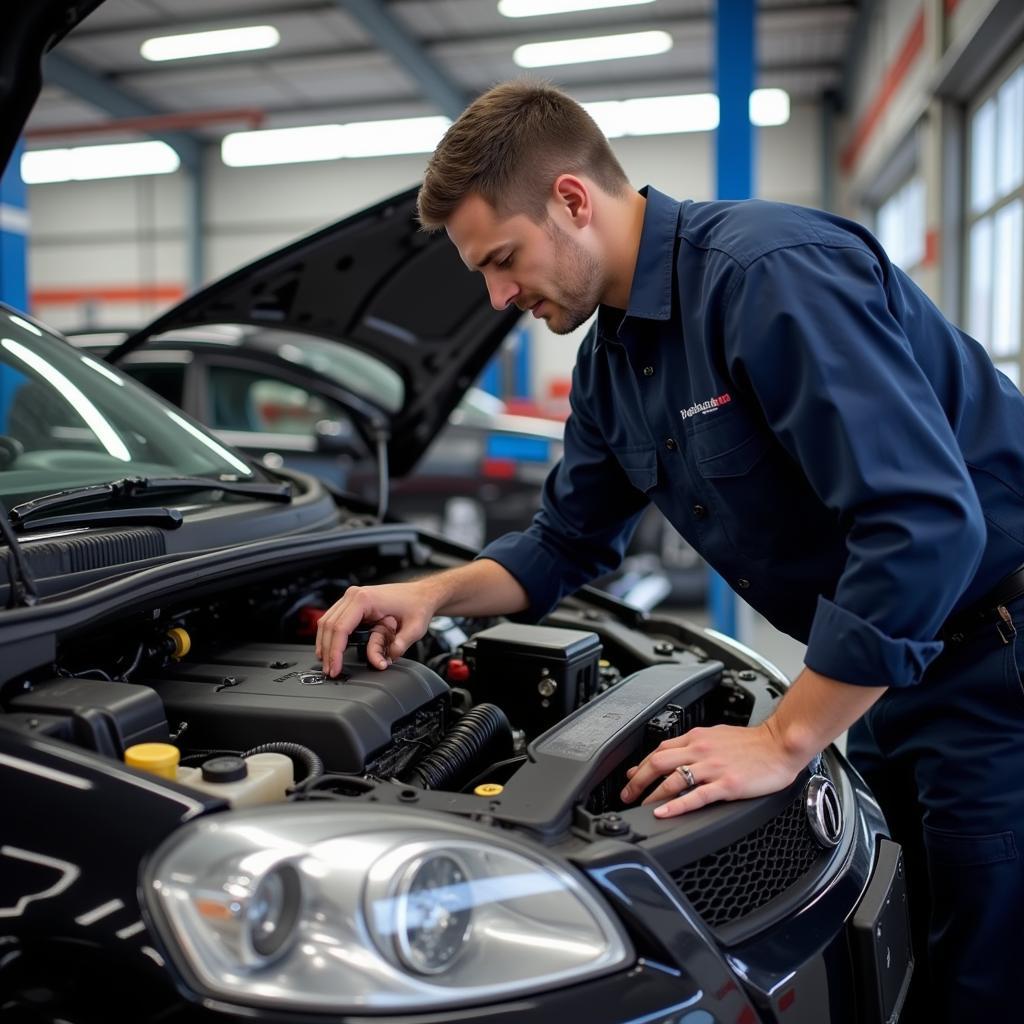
x=398, y=614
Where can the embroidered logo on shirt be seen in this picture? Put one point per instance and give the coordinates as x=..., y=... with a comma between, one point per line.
x=705, y=407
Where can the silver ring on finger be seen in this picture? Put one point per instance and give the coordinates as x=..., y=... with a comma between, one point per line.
x=685, y=771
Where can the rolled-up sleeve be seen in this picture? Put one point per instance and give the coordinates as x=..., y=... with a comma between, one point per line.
x=810, y=331
x=588, y=511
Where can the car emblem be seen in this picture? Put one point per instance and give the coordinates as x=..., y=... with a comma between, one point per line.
x=824, y=811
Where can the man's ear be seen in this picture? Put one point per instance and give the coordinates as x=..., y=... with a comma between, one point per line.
x=573, y=199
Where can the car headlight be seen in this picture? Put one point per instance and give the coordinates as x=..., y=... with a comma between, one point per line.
x=308, y=908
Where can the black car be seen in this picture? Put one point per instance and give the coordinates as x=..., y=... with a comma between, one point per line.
x=284, y=398
x=198, y=825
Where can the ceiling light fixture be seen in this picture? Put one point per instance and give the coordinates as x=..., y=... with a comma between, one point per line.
x=669, y=115
x=594, y=48
x=533, y=8
x=88, y=163
x=283, y=145
x=204, y=44
x=394, y=137
x=769, y=107
x=333, y=141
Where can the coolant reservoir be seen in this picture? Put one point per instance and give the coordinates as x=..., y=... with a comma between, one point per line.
x=256, y=779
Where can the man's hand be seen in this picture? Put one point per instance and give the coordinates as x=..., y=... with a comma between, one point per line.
x=399, y=614
x=728, y=762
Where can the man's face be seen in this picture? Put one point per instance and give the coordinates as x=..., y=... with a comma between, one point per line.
x=541, y=268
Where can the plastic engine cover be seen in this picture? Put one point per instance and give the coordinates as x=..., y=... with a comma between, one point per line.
x=260, y=693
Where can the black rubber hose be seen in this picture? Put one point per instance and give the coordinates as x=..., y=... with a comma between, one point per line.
x=482, y=733
x=300, y=755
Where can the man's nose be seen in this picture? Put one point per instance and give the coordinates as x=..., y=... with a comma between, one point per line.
x=502, y=292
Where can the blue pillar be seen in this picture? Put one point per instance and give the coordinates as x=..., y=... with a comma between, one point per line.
x=13, y=234
x=734, y=179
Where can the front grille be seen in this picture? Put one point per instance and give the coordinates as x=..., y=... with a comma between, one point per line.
x=742, y=877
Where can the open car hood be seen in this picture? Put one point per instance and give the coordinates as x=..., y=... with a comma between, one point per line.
x=28, y=30
x=375, y=282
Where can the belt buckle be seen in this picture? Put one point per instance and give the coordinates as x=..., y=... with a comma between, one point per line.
x=1007, y=630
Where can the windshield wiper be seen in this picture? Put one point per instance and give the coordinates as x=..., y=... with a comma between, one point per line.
x=131, y=486
x=22, y=582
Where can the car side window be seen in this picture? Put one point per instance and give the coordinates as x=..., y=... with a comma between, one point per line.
x=167, y=381
x=245, y=400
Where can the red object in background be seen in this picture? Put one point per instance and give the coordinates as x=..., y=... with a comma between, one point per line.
x=498, y=469
x=457, y=671
x=309, y=618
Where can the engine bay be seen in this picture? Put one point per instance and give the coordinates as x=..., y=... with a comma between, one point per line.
x=541, y=720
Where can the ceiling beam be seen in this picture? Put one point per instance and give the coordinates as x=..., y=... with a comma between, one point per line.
x=394, y=38
x=86, y=85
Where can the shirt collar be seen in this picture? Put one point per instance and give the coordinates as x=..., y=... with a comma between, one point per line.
x=650, y=295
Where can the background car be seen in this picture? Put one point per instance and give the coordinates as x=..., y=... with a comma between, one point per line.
x=285, y=398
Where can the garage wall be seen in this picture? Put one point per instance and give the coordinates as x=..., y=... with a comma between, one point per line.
x=905, y=118
x=112, y=253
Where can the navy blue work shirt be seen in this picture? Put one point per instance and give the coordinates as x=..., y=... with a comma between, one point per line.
x=847, y=459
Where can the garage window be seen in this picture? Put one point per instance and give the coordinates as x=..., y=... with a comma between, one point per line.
x=899, y=225
x=995, y=221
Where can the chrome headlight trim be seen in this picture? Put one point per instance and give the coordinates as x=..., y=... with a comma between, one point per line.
x=535, y=923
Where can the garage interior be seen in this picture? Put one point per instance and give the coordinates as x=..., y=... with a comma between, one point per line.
x=903, y=115
x=176, y=141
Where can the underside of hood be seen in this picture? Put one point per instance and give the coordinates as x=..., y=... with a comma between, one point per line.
x=373, y=281
x=28, y=30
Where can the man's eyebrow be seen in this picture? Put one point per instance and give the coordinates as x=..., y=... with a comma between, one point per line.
x=490, y=256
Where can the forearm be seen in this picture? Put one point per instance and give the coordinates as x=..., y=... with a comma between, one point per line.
x=816, y=710
x=483, y=587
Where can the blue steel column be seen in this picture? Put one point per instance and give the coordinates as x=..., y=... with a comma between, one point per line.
x=13, y=234
x=13, y=276
x=734, y=179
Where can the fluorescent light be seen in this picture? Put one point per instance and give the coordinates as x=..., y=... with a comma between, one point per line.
x=387, y=138
x=71, y=394
x=202, y=44
x=333, y=141
x=668, y=115
x=283, y=145
x=532, y=8
x=656, y=115
x=87, y=163
x=594, y=48
x=769, y=107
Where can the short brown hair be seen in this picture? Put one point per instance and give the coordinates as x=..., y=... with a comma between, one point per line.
x=508, y=146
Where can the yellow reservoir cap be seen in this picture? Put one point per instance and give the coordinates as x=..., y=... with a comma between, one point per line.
x=182, y=642
x=488, y=789
x=158, y=758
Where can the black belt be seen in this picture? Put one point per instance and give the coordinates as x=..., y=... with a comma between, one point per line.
x=989, y=610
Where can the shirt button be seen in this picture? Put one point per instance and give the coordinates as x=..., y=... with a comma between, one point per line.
x=699, y=511
x=743, y=584
x=670, y=444
x=648, y=371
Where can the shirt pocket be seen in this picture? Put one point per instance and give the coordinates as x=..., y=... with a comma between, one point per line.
x=761, y=497
x=640, y=464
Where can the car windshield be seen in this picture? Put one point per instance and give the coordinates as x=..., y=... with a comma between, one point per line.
x=67, y=419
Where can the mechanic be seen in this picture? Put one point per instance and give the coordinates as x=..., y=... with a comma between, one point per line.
x=844, y=456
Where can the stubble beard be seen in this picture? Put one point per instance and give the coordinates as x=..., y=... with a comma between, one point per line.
x=582, y=282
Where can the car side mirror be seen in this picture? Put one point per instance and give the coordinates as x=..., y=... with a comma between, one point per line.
x=337, y=437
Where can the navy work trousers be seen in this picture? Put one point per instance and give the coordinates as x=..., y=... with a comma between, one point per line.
x=946, y=760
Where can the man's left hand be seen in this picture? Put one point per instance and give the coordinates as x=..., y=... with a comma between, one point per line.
x=725, y=762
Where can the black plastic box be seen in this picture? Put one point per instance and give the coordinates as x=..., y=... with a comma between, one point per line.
x=538, y=674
